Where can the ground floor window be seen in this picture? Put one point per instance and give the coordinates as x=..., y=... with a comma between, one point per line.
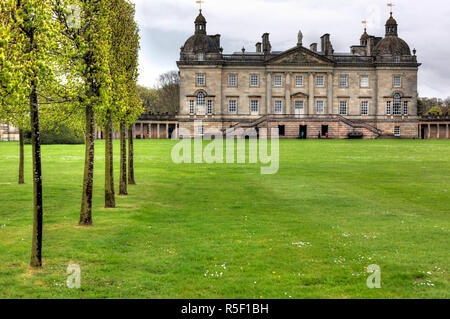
x=282, y=130
x=319, y=107
x=191, y=107
x=210, y=107
x=364, y=108
x=388, y=108
x=200, y=130
x=397, y=131
x=278, y=108
x=232, y=106
x=343, y=107
x=254, y=106
x=405, y=108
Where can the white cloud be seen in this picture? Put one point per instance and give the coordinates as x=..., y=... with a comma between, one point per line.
x=242, y=22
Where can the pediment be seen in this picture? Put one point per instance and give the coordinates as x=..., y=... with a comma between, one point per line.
x=300, y=56
x=299, y=95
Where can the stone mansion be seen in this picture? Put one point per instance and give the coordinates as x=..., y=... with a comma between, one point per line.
x=369, y=92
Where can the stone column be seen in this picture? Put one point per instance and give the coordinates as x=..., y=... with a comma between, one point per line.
x=142, y=130
x=157, y=131
x=329, y=109
x=376, y=96
x=288, y=109
x=167, y=130
x=311, y=94
x=269, y=94
x=446, y=131
x=437, y=131
x=429, y=131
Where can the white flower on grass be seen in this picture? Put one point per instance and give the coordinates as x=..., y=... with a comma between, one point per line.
x=425, y=283
x=215, y=273
x=346, y=234
x=301, y=244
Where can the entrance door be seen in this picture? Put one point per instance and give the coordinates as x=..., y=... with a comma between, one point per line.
x=324, y=130
x=303, y=131
x=299, y=108
x=422, y=136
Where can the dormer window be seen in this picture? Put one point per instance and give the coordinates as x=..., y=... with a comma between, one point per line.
x=200, y=56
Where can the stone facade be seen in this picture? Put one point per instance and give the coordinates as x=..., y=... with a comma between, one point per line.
x=370, y=92
x=8, y=133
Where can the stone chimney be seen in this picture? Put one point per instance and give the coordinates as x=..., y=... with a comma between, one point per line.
x=258, y=47
x=267, y=48
x=326, y=46
x=313, y=47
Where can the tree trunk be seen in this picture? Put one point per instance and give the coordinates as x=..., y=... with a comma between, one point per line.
x=123, y=161
x=36, y=248
x=131, y=180
x=21, y=160
x=110, y=199
x=88, y=180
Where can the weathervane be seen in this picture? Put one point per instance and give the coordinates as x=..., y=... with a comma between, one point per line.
x=391, y=5
x=200, y=3
x=365, y=24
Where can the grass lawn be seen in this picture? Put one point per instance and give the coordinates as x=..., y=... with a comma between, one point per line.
x=226, y=231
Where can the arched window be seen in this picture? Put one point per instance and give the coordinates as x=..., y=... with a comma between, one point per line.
x=397, y=104
x=201, y=99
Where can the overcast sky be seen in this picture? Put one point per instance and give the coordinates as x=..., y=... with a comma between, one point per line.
x=425, y=25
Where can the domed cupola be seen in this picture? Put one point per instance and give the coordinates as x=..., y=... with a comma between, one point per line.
x=200, y=24
x=391, y=26
x=392, y=44
x=364, y=38
x=200, y=44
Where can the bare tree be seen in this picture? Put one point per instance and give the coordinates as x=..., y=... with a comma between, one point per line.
x=169, y=92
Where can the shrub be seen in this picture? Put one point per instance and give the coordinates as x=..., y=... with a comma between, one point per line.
x=59, y=135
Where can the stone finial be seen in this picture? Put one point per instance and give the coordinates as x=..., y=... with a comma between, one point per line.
x=300, y=39
x=243, y=50
x=414, y=51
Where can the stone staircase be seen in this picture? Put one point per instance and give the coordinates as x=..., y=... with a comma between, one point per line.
x=360, y=125
x=245, y=125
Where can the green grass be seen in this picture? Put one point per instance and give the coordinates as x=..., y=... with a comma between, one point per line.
x=353, y=203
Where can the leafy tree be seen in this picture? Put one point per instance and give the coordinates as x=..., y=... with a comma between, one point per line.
x=150, y=98
x=29, y=37
x=126, y=105
x=435, y=111
x=14, y=108
x=91, y=43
